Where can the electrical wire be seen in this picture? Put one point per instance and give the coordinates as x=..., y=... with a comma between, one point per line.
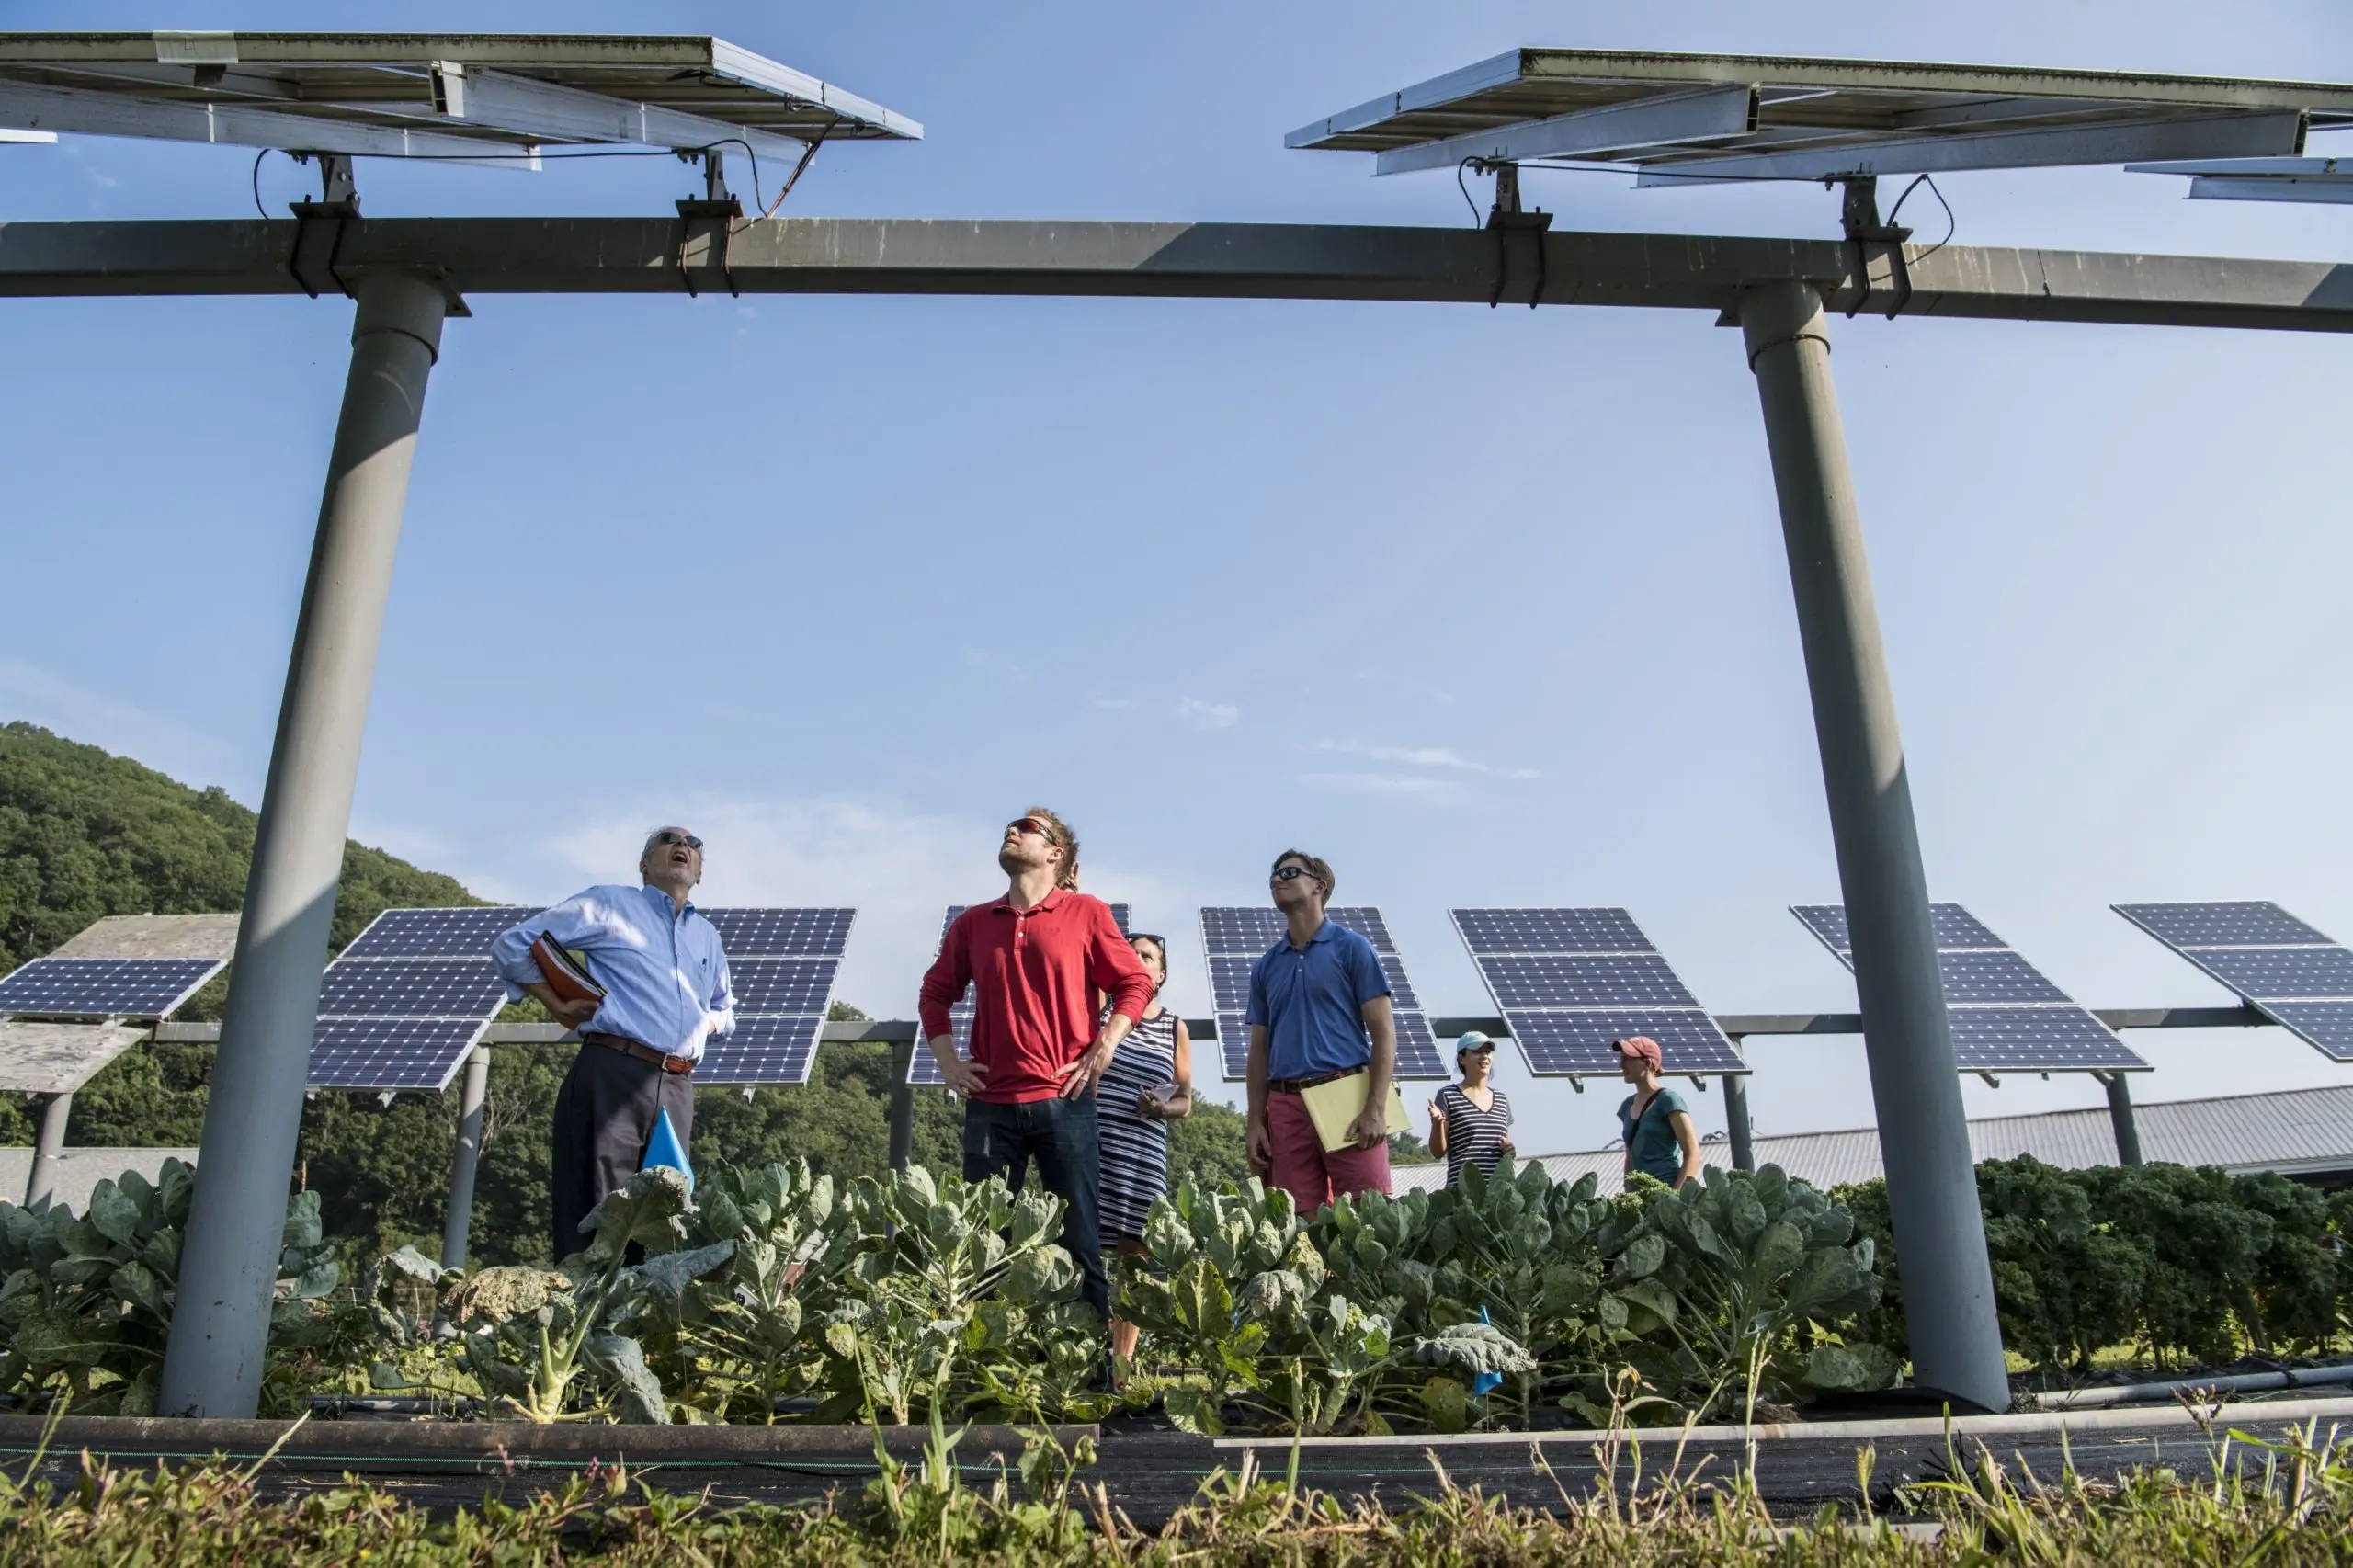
x=1952, y=224
x=257, y=158
x=1475, y=220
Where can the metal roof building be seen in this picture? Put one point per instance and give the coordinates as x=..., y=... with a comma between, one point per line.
x=2306, y=1133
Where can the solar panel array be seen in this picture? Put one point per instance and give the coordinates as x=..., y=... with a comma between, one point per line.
x=1236, y=936
x=2007, y=1015
x=923, y=1068
x=782, y=963
x=1570, y=983
x=104, y=988
x=411, y=995
x=2284, y=968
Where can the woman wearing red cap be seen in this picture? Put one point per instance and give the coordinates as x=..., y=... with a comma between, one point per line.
x=1660, y=1139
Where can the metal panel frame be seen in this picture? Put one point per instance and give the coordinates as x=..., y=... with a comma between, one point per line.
x=1945, y=916
x=2275, y=1007
x=1670, y=118
x=1512, y=1016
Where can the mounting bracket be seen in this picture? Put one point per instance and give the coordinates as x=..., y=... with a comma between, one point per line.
x=337, y=205
x=712, y=216
x=1507, y=218
x=1858, y=216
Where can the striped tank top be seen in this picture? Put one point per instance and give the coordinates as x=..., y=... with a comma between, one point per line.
x=1474, y=1137
x=1135, y=1148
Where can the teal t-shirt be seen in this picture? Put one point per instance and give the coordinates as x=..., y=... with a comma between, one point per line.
x=1655, y=1152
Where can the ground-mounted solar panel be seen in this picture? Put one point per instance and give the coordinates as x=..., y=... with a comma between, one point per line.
x=1571, y=982
x=437, y=933
x=104, y=988
x=412, y=988
x=768, y=1050
x=2284, y=968
x=780, y=964
x=923, y=1069
x=1236, y=936
x=781, y=933
x=2007, y=1015
x=390, y=1053
x=409, y=997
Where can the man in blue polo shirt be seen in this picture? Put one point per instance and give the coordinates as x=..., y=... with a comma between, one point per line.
x=1319, y=1011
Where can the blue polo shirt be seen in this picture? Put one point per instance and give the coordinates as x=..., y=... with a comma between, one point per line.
x=1312, y=1000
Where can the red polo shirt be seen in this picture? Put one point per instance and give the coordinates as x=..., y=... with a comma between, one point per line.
x=1035, y=973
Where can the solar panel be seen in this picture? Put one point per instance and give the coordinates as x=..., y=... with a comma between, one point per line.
x=437, y=933
x=763, y=1051
x=1571, y=981
x=2287, y=969
x=409, y=997
x=2241, y=924
x=2007, y=1015
x=412, y=988
x=105, y=988
x=781, y=933
x=1238, y=936
x=389, y=1053
x=1678, y=117
x=780, y=987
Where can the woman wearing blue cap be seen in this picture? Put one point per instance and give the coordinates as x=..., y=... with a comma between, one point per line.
x=1471, y=1121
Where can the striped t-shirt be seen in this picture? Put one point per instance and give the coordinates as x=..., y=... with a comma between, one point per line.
x=1473, y=1136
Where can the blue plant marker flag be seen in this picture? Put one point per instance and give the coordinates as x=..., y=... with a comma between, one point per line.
x=1481, y=1384
x=664, y=1149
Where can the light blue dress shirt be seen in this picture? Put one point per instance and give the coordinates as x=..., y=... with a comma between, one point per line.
x=664, y=971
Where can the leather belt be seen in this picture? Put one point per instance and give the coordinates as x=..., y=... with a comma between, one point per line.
x=643, y=1052
x=1293, y=1086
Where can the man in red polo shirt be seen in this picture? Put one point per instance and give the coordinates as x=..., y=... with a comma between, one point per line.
x=1037, y=959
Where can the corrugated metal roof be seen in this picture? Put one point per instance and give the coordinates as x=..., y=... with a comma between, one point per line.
x=2297, y=1131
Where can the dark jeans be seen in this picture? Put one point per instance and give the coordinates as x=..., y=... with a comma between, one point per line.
x=1061, y=1136
x=604, y=1119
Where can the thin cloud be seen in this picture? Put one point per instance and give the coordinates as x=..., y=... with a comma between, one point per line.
x=1380, y=783
x=1207, y=715
x=1445, y=758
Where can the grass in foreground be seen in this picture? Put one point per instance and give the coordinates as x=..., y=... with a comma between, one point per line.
x=2293, y=1505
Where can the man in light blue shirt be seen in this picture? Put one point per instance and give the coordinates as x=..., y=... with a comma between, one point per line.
x=665, y=978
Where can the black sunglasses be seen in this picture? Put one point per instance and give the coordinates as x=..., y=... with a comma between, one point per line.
x=669, y=835
x=1289, y=873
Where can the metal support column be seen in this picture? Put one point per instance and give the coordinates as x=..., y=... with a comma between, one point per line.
x=236, y=1218
x=2119, y=1116
x=466, y=1161
x=1923, y=1130
x=902, y=1105
x=1743, y=1153
x=49, y=1146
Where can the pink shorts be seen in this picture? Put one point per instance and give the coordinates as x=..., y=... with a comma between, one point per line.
x=1304, y=1168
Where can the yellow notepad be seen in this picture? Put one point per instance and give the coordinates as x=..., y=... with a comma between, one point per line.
x=1333, y=1105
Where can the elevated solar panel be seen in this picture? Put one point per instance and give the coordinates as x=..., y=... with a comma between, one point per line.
x=1571, y=981
x=104, y=988
x=2007, y=1015
x=411, y=995
x=923, y=1068
x=1674, y=118
x=2286, y=969
x=1237, y=936
x=782, y=963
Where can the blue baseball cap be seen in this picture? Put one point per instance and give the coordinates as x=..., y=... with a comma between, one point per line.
x=1471, y=1041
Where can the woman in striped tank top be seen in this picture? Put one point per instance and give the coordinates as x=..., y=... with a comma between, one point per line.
x=1148, y=1085
x=1471, y=1121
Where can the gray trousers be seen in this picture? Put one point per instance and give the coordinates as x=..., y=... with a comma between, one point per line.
x=604, y=1119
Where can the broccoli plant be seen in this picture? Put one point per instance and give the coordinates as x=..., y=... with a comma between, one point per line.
x=1752, y=1274
x=85, y=1304
x=527, y=1336
x=956, y=1293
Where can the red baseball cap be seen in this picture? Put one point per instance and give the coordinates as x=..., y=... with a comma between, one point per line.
x=1640, y=1045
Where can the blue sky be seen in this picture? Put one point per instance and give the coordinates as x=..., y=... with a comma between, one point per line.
x=1486, y=608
